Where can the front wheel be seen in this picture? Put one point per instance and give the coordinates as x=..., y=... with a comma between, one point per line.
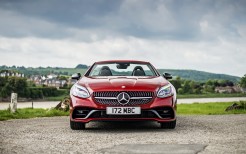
x=168, y=125
x=77, y=125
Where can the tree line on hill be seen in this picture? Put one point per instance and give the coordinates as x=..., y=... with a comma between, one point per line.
x=82, y=66
x=29, y=71
x=192, y=87
x=27, y=90
x=200, y=76
x=194, y=75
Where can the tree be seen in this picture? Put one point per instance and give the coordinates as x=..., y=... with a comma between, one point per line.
x=195, y=87
x=62, y=77
x=209, y=88
x=2, y=82
x=20, y=85
x=81, y=66
x=243, y=81
x=176, y=83
x=180, y=91
x=13, y=84
x=186, y=87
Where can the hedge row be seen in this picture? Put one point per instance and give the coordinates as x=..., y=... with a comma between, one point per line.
x=43, y=92
x=19, y=85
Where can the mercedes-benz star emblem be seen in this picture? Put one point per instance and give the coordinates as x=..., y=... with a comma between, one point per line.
x=123, y=98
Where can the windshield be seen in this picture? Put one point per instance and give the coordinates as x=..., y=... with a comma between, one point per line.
x=122, y=69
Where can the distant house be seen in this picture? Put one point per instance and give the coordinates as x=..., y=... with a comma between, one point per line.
x=5, y=73
x=243, y=90
x=228, y=89
x=51, y=76
x=63, y=82
x=224, y=90
x=72, y=81
x=2, y=74
x=37, y=79
x=237, y=89
x=51, y=81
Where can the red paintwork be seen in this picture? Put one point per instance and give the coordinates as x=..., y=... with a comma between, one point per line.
x=115, y=83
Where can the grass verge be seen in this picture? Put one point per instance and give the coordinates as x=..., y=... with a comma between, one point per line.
x=212, y=95
x=27, y=113
x=208, y=108
x=183, y=109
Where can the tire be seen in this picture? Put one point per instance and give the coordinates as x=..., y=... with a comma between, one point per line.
x=168, y=125
x=77, y=125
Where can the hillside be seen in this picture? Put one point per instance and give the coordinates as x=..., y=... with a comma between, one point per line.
x=28, y=71
x=199, y=75
x=186, y=74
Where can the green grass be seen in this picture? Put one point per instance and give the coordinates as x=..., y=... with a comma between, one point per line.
x=27, y=113
x=208, y=108
x=211, y=95
x=183, y=109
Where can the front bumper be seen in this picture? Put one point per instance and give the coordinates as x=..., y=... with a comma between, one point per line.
x=86, y=110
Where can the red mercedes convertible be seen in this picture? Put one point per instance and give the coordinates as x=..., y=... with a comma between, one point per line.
x=122, y=90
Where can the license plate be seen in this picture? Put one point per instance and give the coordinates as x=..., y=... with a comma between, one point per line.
x=123, y=110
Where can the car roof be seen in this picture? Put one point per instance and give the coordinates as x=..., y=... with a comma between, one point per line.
x=112, y=61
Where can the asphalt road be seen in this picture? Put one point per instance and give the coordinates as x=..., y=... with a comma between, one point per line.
x=193, y=134
x=49, y=104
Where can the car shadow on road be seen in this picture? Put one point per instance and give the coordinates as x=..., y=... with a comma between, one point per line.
x=124, y=127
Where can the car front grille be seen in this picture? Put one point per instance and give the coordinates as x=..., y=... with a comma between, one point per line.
x=116, y=93
x=110, y=97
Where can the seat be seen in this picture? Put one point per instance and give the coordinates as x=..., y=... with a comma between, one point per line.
x=138, y=71
x=105, y=71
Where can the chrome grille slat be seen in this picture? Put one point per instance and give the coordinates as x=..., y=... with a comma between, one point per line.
x=110, y=97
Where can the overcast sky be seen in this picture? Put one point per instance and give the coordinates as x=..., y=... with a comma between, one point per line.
x=206, y=35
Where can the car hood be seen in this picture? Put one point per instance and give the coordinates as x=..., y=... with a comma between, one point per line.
x=122, y=83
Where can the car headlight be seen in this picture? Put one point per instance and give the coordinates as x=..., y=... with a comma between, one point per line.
x=79, y=91
x=165, y=91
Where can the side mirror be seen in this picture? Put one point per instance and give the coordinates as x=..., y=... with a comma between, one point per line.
x=76, y=76
x=167, y=76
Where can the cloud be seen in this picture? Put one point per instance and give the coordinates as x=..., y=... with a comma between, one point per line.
x=15, y=25
x=203, y=35
x=177, y=20
x=162, y=53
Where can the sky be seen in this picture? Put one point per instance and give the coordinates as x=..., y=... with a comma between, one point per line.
x=205, y=35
